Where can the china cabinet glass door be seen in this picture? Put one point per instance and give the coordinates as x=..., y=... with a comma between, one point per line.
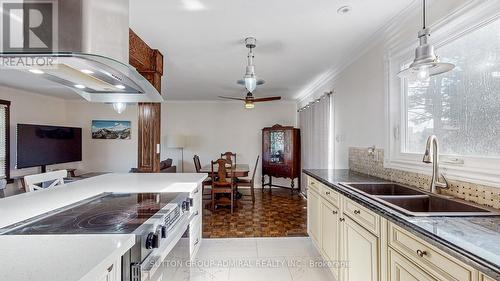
x=277, y=147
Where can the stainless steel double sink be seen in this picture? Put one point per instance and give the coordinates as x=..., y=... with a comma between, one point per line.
x=414, y=202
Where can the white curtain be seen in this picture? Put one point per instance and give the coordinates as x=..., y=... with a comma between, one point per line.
x=316, y=127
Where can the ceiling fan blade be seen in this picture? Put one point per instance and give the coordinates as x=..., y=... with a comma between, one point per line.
x=266, y=99
x=230, y=98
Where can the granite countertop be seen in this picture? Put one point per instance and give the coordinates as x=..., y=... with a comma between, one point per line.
x=473, y=240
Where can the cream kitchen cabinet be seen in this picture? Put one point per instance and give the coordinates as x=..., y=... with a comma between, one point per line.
x=376, y=249
x=341, y=238
x=431, y=259
x=330, y=234
x=360, y=250
x=314, y=216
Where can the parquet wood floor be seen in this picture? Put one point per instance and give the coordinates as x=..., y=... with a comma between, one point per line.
x=274, y=215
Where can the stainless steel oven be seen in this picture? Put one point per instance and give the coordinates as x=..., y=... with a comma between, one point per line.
x=144, y=260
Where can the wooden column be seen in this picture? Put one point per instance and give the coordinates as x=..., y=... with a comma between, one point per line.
x=149, y=63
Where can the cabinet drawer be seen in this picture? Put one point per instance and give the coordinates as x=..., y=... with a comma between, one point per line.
x=483, y=277
x=363, y=216
x=401, y=269
x=330, y=195
x=429, y=257
x=314, y=184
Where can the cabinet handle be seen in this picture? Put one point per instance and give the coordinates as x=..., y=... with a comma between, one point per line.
x=197, y=241
x=357, y=212
x=341, y=219
x=327, y=193
x=421, y=253
x=334, y=212
x=196, y=213
x=110, y=268
x=197, y=190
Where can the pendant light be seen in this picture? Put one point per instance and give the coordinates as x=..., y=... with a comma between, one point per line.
x=250, y=80
x=119, y=107
x=426, y=63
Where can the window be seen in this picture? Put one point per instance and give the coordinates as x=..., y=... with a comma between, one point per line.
x=461, y=107
x=4, y=140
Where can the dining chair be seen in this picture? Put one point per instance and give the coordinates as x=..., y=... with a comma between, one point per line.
x=35, y=182
x=221, y=184
x=230, y=157
x=249, y=182
x=206, y=182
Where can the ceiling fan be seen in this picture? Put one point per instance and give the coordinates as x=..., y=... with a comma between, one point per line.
x=250, y=80
x=250, y=100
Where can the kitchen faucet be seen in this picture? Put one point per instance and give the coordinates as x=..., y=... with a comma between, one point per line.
x=431, y=155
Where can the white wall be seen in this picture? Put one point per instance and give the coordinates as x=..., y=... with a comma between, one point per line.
x=359, y=106
x=215, y=127
x=359, y=99
x=31, y=108
x=103, y=155
x=98, y=155
x=210, y=127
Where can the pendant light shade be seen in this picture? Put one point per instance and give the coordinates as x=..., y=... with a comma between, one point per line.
x=119, y=107
x=250, y=80
x=426, y=63
x=250, y=83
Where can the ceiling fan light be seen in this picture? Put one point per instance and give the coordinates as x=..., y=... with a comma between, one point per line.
x=249, y=105
x=250, y=83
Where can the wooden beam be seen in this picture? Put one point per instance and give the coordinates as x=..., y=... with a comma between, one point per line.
x=142, y=57
x=149, y=63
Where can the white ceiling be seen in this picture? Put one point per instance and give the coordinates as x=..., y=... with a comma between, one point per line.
x=298, y=41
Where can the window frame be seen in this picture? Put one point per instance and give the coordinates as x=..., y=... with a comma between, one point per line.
x=7, y=139
x=482, y=170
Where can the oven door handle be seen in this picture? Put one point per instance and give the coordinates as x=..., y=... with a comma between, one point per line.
x=147, y=268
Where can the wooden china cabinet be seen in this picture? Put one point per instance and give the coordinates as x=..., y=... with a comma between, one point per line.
x=281, y=155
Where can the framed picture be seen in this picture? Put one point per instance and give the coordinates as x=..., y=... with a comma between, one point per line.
x=111, y=130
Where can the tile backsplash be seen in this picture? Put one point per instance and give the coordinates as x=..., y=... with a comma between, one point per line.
x=361, y=160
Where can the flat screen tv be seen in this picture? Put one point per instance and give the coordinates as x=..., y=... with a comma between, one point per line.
x=40, y=145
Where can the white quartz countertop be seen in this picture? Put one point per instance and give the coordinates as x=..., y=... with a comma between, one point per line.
x=61, y=258
x=74, y=257
x=27, y=205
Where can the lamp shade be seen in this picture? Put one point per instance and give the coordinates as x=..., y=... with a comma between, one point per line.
x=176, y=141
x=250, y=83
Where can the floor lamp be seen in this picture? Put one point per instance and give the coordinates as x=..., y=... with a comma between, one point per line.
x=178, y=142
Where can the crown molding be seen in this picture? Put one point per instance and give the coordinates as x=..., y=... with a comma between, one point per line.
x=391, y=27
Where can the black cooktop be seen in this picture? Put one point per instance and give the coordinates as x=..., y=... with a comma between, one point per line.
x=113, y=213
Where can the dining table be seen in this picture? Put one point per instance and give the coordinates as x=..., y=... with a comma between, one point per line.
x=239, y=170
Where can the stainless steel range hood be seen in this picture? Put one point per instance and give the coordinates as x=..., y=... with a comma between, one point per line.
x=84, y=50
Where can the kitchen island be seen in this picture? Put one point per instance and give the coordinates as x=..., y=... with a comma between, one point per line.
x=79, y=257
